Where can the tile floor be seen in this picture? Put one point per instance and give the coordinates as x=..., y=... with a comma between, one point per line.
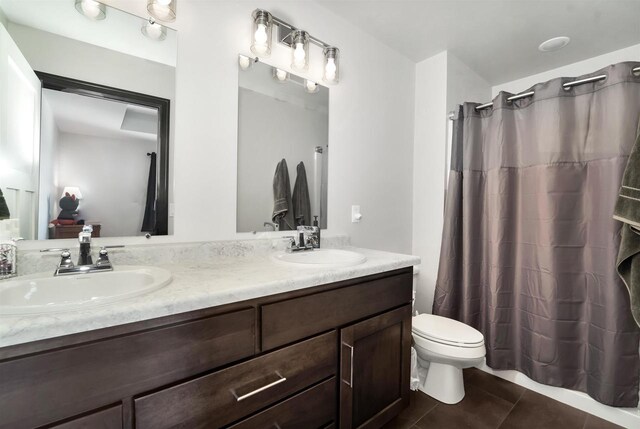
x=491, y=403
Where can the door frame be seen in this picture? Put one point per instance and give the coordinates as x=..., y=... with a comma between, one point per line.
x=90, y=89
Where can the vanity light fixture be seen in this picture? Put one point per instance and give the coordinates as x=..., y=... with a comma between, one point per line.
x=280, y=75
x=331, y=72
x=92, y=9
x=262, y=32
x=162, y=10
x=300, y=50
x=153, y=30
x=298, y=40
x=310, y=86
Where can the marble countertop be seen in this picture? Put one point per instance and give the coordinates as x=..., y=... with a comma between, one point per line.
x=196, y=285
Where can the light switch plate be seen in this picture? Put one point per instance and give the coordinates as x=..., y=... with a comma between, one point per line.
x=356, y=216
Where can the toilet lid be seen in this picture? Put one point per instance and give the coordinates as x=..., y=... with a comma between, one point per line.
x=445, y=330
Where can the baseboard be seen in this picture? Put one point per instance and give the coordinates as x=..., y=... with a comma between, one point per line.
x=626, y=417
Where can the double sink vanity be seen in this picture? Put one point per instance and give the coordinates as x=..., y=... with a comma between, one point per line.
x=226, y=334
x=223, y=334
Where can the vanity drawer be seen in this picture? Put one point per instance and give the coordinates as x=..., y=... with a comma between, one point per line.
x=110, y=418
x=73, y=380
x=228, y=395
x=313, y=409
x=287, y=321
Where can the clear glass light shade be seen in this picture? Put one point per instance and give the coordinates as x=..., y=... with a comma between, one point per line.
x=92, y=9
x=280, y=75
x=300, y=50
x=244, y=62
x=310, y=86
x=162, y=10
x=153, y=30
x=261, y=32
x=331, y=73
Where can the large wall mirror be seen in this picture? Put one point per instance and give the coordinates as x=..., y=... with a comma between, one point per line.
x=86, y=115
x=283, y=126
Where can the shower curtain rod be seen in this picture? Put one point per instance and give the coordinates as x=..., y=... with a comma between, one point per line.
x=566, y=86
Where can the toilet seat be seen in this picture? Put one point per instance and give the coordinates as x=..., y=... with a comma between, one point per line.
x=445, y=331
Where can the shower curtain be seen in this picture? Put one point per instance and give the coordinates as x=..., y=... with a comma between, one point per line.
x=529, y=245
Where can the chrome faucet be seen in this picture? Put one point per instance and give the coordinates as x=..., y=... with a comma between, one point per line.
x=308, y=239
x=66, y=266
x=84, y=238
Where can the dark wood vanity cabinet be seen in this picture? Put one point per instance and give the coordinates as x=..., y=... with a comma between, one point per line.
x=330, y=356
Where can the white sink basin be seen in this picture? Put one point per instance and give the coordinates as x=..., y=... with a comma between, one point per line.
x=44, y=293
x=322, y=258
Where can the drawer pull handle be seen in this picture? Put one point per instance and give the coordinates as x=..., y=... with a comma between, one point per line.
x=261, y=389
x=350, y=382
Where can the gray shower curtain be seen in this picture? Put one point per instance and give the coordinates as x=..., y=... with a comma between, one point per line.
x=529, y=245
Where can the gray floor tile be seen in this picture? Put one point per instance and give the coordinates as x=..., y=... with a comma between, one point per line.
x=421, y=404
x=535, y=411
x=495, y=385
x=478, y=410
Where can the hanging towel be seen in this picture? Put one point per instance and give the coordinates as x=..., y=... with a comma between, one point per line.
x=149, y=220
x=301, y=200
x=282, y=206
x=628, y=211
x=4, y=209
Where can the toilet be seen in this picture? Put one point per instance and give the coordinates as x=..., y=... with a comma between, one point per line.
x=444, y=347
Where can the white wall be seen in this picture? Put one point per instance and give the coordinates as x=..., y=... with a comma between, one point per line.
x=263, y=141
x=112, y=175
x=442, y=82
x=429, y=155
x=48, y=195
x=632, y=53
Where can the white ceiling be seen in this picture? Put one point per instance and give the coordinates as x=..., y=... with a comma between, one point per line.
x=78, y=114
x=497, y=38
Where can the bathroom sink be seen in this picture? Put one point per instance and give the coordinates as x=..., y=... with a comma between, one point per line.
x=322, y=258
x=44, y=293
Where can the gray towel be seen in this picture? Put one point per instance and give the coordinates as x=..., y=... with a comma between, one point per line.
x=282, y=206
x=301, y=200
x=628, y=211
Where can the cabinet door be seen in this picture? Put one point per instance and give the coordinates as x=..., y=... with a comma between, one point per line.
x=375, y=361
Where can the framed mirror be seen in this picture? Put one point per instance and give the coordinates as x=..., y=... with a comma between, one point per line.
x=283, y=127
x=99, y=115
